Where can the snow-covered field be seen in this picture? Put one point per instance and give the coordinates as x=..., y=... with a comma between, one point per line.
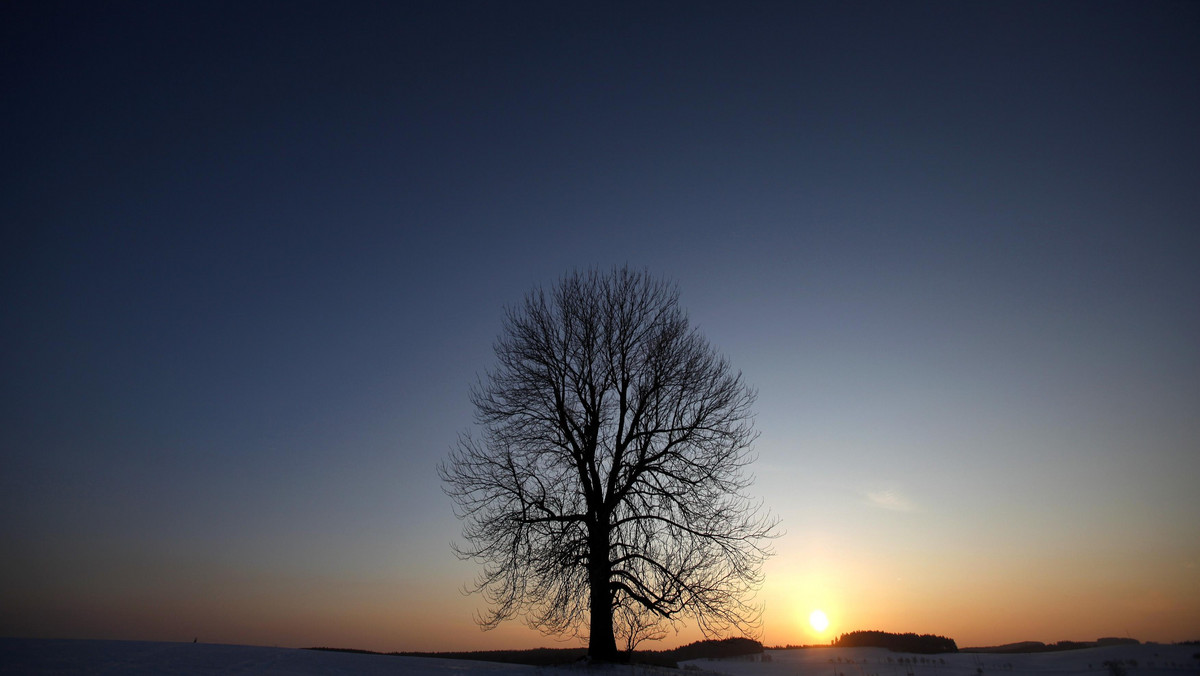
x=1136, y=660
x=61, y=658
x=35, y=657
x=135, y=658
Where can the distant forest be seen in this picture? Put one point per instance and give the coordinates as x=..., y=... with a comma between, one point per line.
x=900, y=643
x=1039, y=647
x=730, y=647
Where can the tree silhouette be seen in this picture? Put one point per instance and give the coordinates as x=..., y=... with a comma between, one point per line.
x=609, y=470
x=633, y=624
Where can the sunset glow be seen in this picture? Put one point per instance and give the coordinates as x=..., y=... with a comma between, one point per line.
x=818, y=621
x=255, y=256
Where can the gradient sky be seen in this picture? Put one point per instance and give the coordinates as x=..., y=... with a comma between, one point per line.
x=254, y=255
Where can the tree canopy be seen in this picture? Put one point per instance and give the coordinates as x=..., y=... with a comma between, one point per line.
x=608, y=477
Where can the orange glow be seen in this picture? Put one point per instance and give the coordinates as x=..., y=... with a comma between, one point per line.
x=819, y=621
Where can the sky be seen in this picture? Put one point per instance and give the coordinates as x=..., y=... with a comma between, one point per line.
x=255, y=254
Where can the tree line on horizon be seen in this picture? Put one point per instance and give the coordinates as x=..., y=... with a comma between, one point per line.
x=1059, y=646
x=542, y=657
x=900, y=643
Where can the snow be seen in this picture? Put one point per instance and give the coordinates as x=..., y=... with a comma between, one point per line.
x=64, y=657
x=1152, y=660
x=134, y=658
x=42, y=657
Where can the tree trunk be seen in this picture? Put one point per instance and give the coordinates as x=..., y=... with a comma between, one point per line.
x=602, y=643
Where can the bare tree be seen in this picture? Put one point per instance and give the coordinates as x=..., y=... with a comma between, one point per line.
x=634, y=623
x=609, y=474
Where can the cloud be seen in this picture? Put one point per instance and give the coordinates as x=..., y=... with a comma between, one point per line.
x=889, y=499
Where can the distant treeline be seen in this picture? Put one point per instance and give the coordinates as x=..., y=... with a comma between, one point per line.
x=730, y=647
x=1039, y=647
x=541, y=657
x=536, y=656
x=900, y=643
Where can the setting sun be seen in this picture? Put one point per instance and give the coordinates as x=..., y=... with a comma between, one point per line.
x=818, y=621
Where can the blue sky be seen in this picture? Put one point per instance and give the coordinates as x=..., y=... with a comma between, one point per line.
x=254, y=255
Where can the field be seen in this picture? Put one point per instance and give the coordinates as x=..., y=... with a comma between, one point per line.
x=63, y=658
x=1135, y=660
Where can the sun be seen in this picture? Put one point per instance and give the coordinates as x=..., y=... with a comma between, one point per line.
x=818, y=620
